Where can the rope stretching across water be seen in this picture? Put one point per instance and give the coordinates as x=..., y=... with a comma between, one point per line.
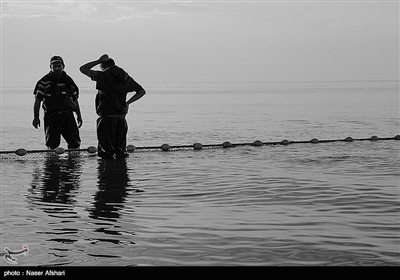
x=195, y=146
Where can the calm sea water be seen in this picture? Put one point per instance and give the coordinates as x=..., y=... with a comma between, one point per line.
x=326, y=204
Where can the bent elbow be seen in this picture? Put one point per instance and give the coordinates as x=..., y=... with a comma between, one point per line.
x=84, y=70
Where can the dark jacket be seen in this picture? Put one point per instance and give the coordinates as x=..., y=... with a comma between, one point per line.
x=113, y=85
x=57, y=93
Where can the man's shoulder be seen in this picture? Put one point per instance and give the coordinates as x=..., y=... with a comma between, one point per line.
x=69, y=78
x=45, y=78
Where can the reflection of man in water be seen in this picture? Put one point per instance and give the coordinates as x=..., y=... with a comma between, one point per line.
x=58, y=182
x=113, y=179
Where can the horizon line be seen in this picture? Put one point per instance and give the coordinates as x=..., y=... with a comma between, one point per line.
x=235, y=82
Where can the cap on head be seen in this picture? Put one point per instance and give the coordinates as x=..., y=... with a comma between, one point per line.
x=56, y=59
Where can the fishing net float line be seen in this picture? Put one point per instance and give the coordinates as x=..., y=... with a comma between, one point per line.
x=196, y=146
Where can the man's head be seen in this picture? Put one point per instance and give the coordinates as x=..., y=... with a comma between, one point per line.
x=57, y=65
x=107, y=64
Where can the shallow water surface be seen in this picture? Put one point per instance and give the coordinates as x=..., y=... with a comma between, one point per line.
x=313, y=204
x=325, y=204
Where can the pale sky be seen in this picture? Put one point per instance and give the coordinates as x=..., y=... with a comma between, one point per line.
x=205, y=41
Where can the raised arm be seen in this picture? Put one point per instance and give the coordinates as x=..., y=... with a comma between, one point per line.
x=85, y=68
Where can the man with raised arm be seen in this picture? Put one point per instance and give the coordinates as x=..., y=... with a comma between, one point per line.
x=113, y=85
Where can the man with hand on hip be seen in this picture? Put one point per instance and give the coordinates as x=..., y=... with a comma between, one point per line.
x=113, y=85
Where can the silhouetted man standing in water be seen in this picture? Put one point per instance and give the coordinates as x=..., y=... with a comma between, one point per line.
x=59, y=95
x=113, y=84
